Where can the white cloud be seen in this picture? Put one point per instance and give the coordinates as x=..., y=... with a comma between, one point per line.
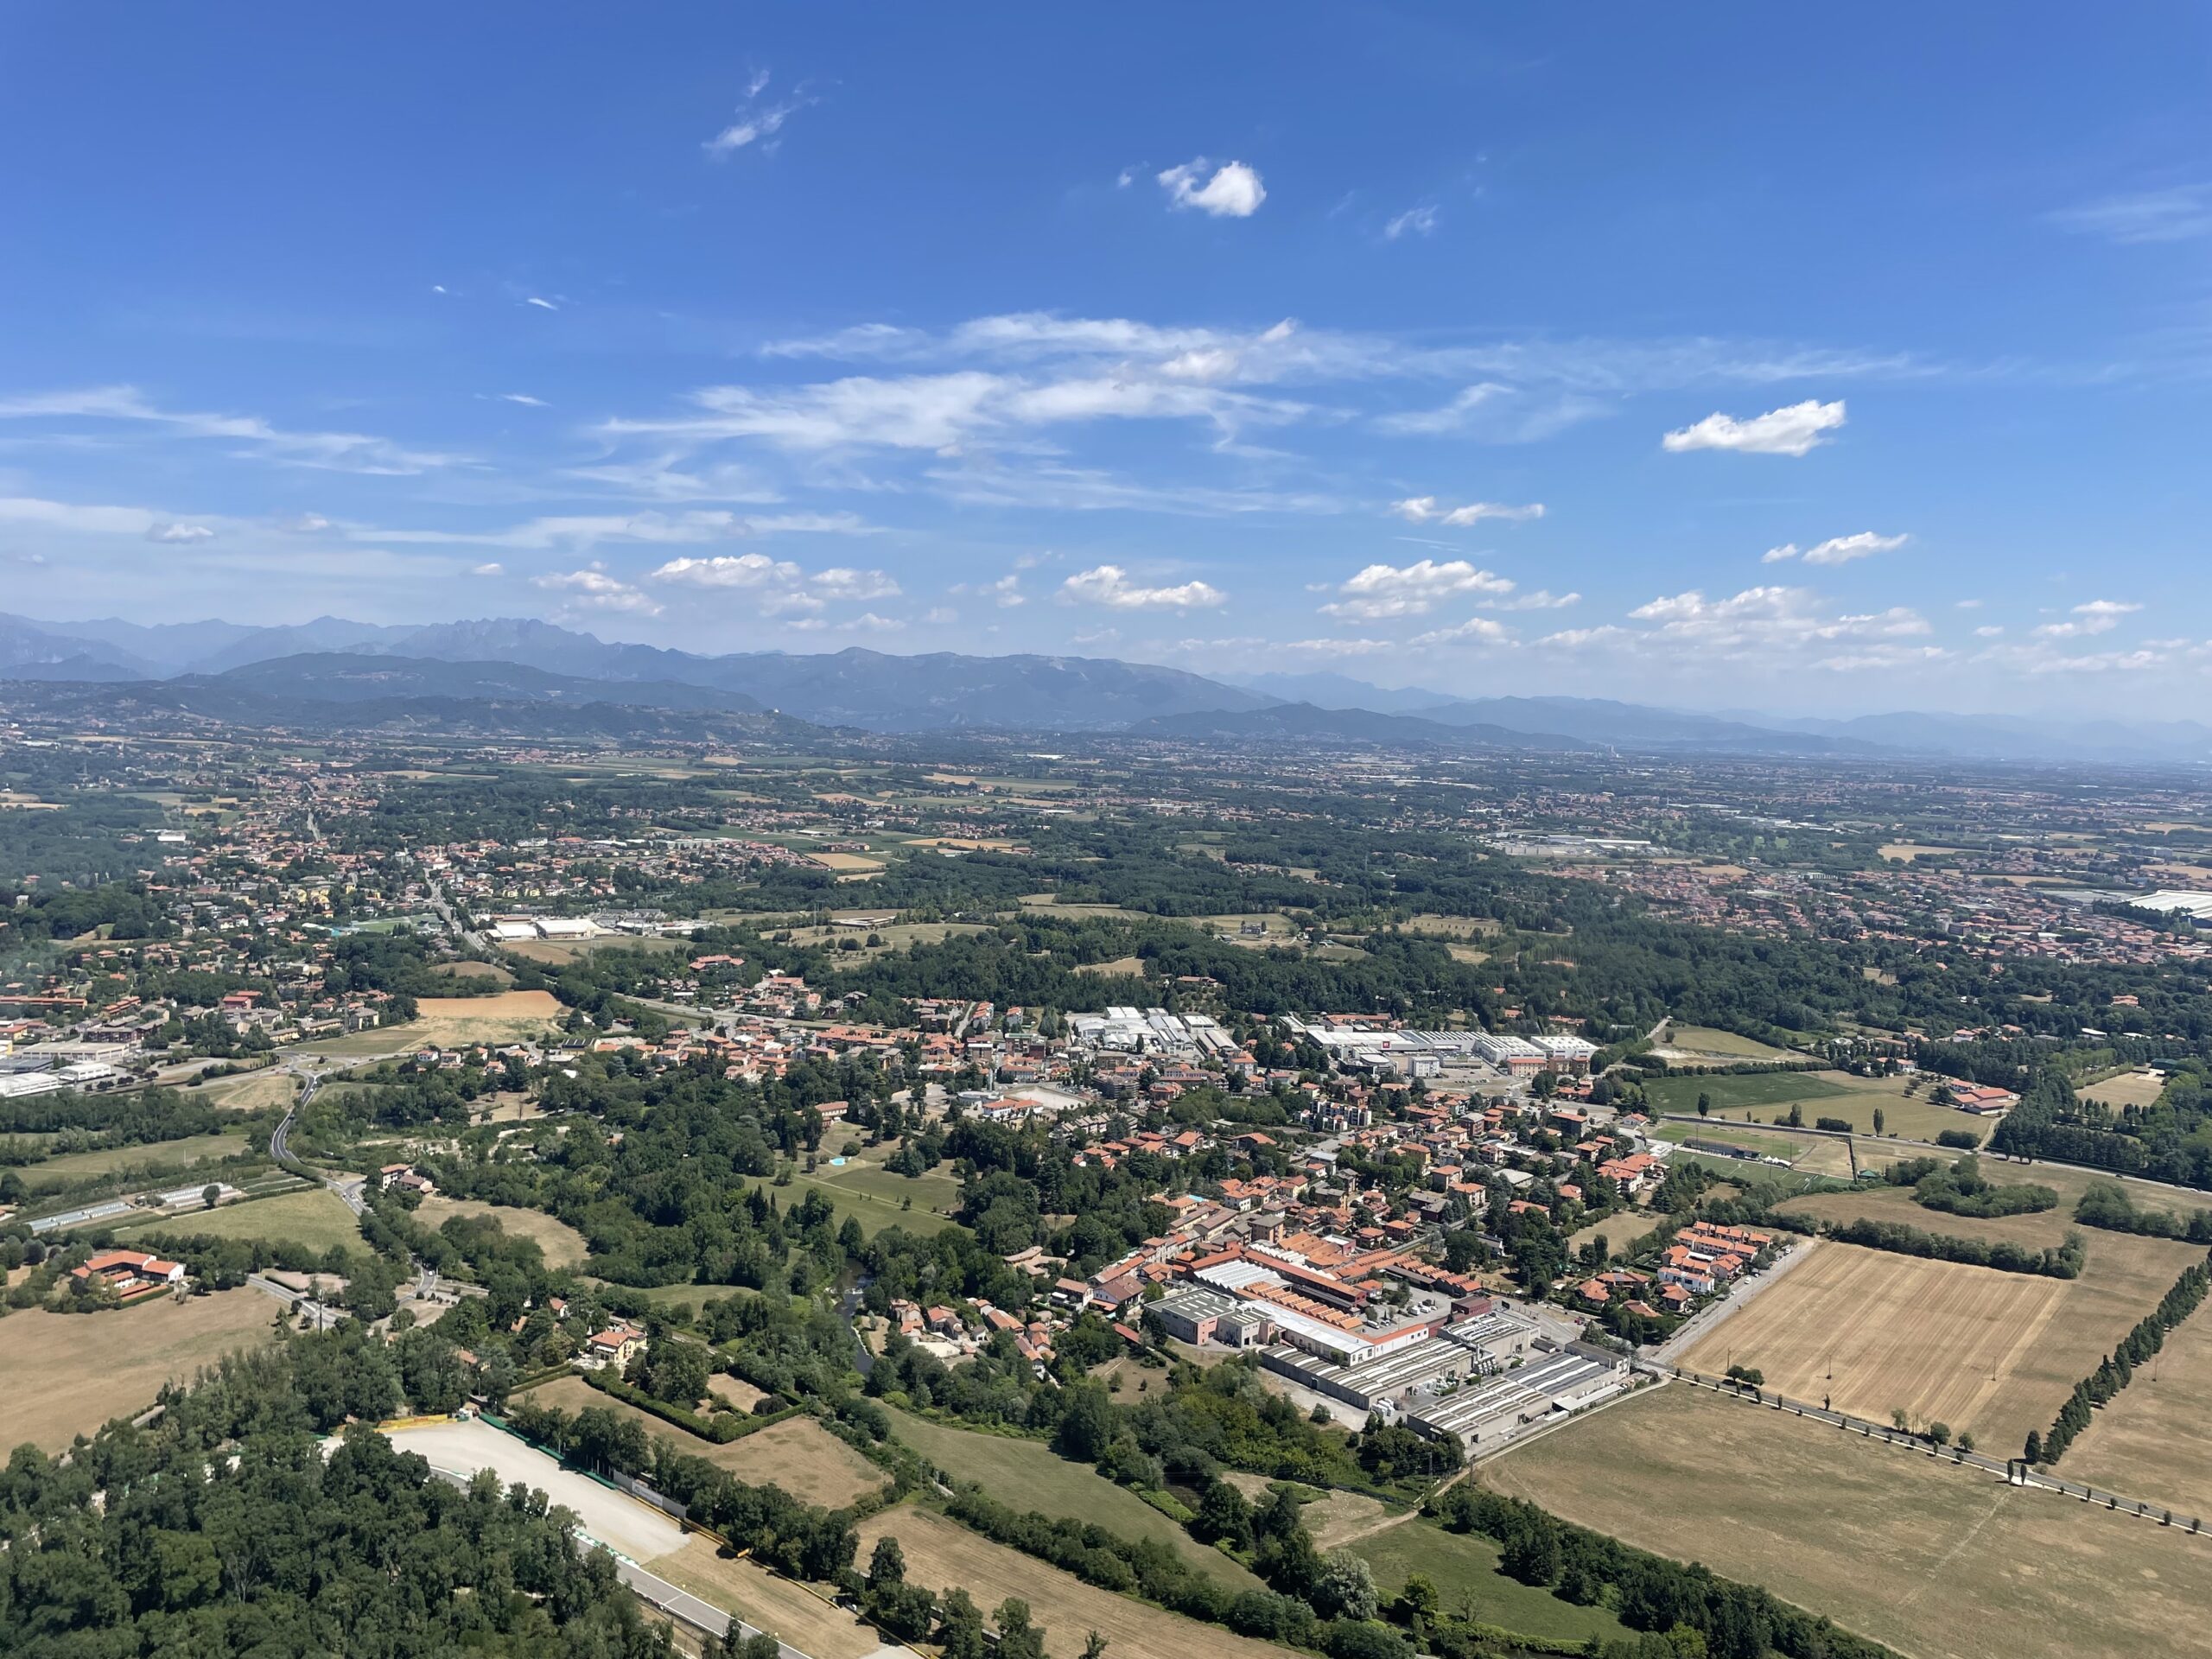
x=542, y=304
x=1795, y=431
x=1005, y=591
x=1424, y=510
x=1109, y=585
x=306, y=523
x=1542, y=599
x=1475, y=629
x=594, y=590
x=1233, y=192
x=492, y=569
x=1382, y=591
x=1989, y=630
x=1416, y=221
x=651, y=527
x=1758, y=621
x=869, y=622
x=782, y=585
x=757, y=122
x=1452, y=417
x=349, y=452
x=1837, y=549
x=2097, y=616
x=178, y=534
x=524, y=399
x=2180, y=214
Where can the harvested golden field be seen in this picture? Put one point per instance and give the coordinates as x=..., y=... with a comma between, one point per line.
x=1936, y=1561
x=847, y=863
x=562, y=1244
x=452, y=1022
x=2127, y=1088
x=1990, y=1353
x=253, y=1092
x=313, y=1217
x=63, y=1375
x=797, y=1454
x=1871, y=1333
x=789, y=1612
x=2150, y=1442
x=943, y=1554
x=805, y=1459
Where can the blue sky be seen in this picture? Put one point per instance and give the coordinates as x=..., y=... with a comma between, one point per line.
x=1722, y=356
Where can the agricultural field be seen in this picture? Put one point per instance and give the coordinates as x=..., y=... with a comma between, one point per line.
x=2125, y=1089
x=1464, y=1568
x=559, y=953
x=168, y=1154
x=562, y=1245
x=63, y=1375
x=2150, y=1440
x=477, y=974
x=1119, y=968
x=1710, y=1039
x=894, y=936
x=316, y=1219
x=254, y=1091
x=1733, y=1093
x=1029, y=1475
x=797, y=1454
x=1766, y=1095
x=789, y=1612
x=1988, y=1352
x=451, y=1021
x=1936, y=1561
x=942, y=1553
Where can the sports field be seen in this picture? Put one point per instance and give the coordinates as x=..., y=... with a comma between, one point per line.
x=1030, y=1475
x=562, y=1244
x=1988, y=1352
x=2151, y=1441
x=943, y=1554
x=315, y=1219
x=63, y=1375
x=1938, y=1561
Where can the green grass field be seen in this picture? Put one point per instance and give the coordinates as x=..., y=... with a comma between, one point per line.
x=863, y=1197
x=316, y=1220
x=165, y=1155
x=1464, y=1568
x=1735, y=1093
x=1030, y=1475
x=1710, y=1039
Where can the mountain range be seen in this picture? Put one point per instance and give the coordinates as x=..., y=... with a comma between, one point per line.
x=485, y=674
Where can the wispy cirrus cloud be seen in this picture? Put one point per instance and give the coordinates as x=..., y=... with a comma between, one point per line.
x=2179, y=213
x=760, y=120
x=349, y=452
x=1425, y=510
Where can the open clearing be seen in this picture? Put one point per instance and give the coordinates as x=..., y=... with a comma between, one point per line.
x=562, y=1244
x=2151, y=1441
x=621, y=1523
x=1464, y=1568
x=1988, y=1352
x=943, y=1554
x=1029, y=1475
x=789, y=1612
x=1710, y=1039
x=2128, y=1089
x=1735, y=1092
x=255, y=1092
x=874, y=1212
x=1939, y=1562
x=797, y=1454
x=1768, y=1095
x=165, y=1155
x=452, y=1022
x=63, y=1375
x=316, y=1220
